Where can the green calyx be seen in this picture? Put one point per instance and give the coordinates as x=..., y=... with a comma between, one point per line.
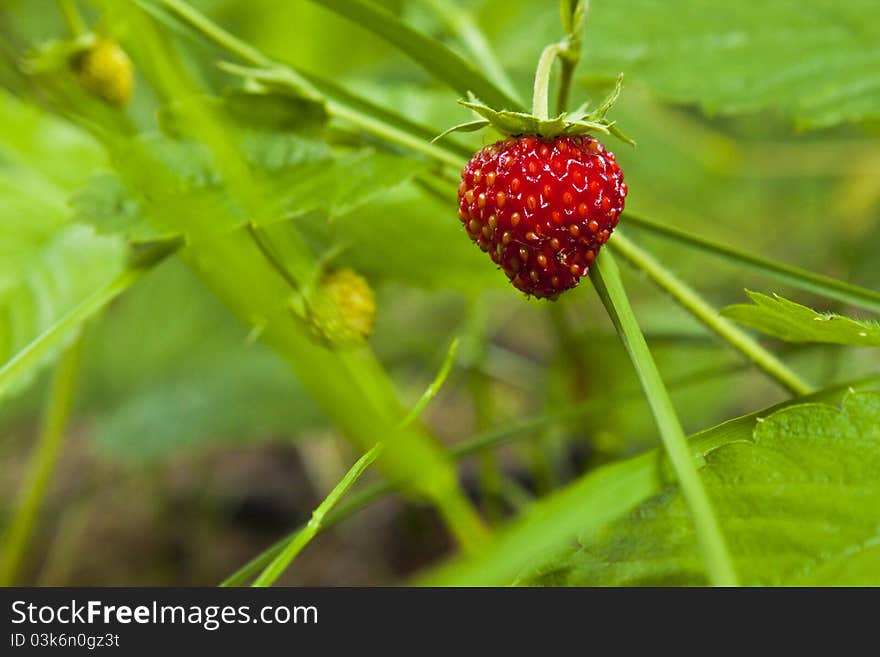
x=578, y=122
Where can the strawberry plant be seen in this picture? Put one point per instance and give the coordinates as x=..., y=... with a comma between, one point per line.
x=228, y=272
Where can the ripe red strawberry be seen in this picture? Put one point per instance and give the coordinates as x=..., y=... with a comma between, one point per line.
x=542, y=208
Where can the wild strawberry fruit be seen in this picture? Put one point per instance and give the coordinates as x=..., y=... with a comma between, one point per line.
x=106, y=71
x=542, y=207
x=343, y=309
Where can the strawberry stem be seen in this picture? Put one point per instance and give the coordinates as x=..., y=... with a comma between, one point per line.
x=541, y=96
x=606, y=279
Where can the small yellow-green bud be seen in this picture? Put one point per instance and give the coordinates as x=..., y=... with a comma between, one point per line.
x=343, y=309
x=106, y=71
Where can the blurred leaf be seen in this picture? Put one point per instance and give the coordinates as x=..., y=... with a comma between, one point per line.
x=340, y=185
x=435, y=57
x=814, y=61
x=800, y=278
x=59, y=274
x=248, y=109
x=170, y=368
x=793, y=322
x=48, y=266
x=605, y=494
x=240, y=395
x=110, y=208
x=58, y=152
x=374, y=119
x=803, y=496
x=301, y=174
x=408, y=237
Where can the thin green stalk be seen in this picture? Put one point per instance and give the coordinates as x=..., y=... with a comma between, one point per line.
x=435, y=385
x=43, y=461
x=280, y=563
x=72, y=17
x=795, y=276
x=384, y=127
x=606, y=279
x=541, y=97
x=688, y=299
x=285, y=551
x=216, y=33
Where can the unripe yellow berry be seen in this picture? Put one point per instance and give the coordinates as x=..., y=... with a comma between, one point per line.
x=106, y=71
x=343, y=310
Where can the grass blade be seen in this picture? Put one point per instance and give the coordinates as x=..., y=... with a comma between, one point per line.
x=435, y=385
x=280, y=563
x=289, y=547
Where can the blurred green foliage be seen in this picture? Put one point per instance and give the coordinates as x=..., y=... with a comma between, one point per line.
x=755, y=124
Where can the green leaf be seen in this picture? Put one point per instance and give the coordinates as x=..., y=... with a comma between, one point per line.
x=170, y=369
x=581, y=121
x=379, y=241
x=49, y=267
x=301, y=174
x=602, y=496
x=57, y=54
x=792, y=322
x=799, y=503
x=815, y=62
x=338, y=186
x=107, y=205
x=433, y=56
x=59, y=275
x=242, y=395
x=44, y=146
x=470, y=126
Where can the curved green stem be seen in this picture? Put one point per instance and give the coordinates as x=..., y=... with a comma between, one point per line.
x=280, y=563
x=45, y=457
x=461, y=22
x=435, y=385
x=688, y=299
x=541, y=97
x=606, y=279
